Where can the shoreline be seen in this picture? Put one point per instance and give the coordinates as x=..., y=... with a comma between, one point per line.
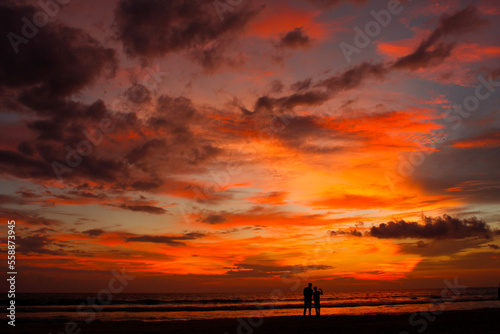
x=484, y=321
x=247, y=307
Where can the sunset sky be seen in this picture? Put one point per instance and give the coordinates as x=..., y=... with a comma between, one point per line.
x=242, y=145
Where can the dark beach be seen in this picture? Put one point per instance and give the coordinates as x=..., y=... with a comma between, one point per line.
x=483, y=321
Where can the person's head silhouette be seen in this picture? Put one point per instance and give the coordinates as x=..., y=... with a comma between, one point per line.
x=310, y=285
x=315, y=288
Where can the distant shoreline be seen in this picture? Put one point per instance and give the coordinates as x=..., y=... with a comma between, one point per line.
x=484, y=321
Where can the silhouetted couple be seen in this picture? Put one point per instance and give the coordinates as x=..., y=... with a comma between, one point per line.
x=309, y=295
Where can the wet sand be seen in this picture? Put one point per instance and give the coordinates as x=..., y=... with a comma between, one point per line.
x=484, y=321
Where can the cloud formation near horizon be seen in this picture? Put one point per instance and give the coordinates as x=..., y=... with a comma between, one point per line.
x=445, y=227
x=167, y=240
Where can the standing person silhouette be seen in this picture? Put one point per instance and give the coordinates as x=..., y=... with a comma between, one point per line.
x=308, y=294
x=316, y=295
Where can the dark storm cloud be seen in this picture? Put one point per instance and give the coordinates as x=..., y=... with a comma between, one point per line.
x=433, y=50
x=7, y=199
x=323, y=90
x=445, y=227
x=171, y=147
x=40, y=166
x=141, y=152
x=421, y=244
x=174, y=117
x=301, y=132
x=167, y=240
x=430, y=52
x=194, y=235
x=301, y=85
x=65, y=118
x=351, y=232
x=30, y=218
x=332, y=3
x=173, y=112
x=58, y=61
x=424, y=57
x=87, y=194
x=16, y=164
x=138, y=93
x=171, y=241
x=94, y=232
x=350, y=79
x=25, y=148
x=295, y=39
x=214, y=219
x=27, y=194
x=213, y=57
x=277, y=86
x=311, y=98
x=152, y=28
x=269, y=104
x=36, y=244
x=353, y=77
x=144, y=208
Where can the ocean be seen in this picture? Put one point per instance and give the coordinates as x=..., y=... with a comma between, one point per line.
x=64, y=307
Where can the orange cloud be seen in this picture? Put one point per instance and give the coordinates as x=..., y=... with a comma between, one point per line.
x=485, y=141
x=275, y=197
x=353, y=202
x=279, y=19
